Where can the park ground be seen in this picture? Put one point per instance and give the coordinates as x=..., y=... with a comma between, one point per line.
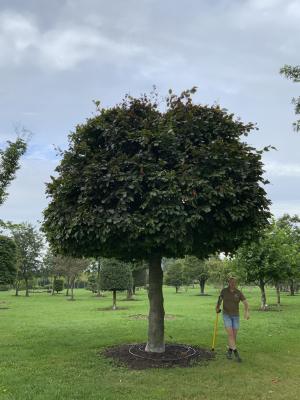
x=49, y=349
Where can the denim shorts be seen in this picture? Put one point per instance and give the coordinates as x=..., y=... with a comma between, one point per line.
x=231, y=321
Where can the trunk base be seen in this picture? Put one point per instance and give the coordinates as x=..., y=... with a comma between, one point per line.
x=155, y=349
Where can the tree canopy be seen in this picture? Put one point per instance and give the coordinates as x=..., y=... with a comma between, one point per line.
x=293, y=73
x=9, y=164
x=137, y=181
x=8, y=260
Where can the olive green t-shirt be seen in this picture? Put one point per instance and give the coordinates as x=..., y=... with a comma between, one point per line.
x=231, y=301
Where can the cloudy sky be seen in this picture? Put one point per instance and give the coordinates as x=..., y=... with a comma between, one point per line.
x=57, y=56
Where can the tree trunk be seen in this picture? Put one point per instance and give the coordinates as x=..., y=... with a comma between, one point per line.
x=53, y=285
x=17, y=285
x=114, y=300
x=278, y=295
x=129, y=294
x=68, y=286
x=202, y=286
x=263, y=295
x=98, y=278
x=72, y=289
x=133, y=289
x=292, y=288
x=27, y=288
x=156, y=343
x=176, y=288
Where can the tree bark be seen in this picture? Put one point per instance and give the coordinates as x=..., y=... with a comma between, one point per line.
x=202, y=286
x=278, y=295
x=72, y=289
x=98, y=278
x=27, y=288
x=114, y=300
x=156, y=343
x=263, y=295
x=292, y=288
x=17, y=285
x=129, y=294
x=68, y=286
x=53, y=285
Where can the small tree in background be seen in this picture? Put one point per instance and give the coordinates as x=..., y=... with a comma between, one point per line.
x=267, y=259
x=220, y=271
x=174, y=275
x=8, y=260
x=197, y=270
x=139, y=275
x=58, y=285
x=29, y=247
x=115, y=275
x=70, y=268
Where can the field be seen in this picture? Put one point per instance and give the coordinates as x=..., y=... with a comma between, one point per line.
x=49, y=349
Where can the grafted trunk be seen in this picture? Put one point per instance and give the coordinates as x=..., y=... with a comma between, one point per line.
x=202, y=286
x=156, y=343
x=114, y=300
x=292, y=287
x=263, y=295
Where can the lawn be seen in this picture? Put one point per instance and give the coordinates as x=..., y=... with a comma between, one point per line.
x=49, y=349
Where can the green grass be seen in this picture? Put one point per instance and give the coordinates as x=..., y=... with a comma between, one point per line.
x=49, y=346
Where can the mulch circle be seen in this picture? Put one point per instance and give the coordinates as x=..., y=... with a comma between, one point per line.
x=145, y=317
x=134, y=356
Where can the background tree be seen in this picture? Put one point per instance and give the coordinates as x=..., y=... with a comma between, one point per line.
x=115, y=276
x=174, y=275
x=70, y=268
x=58, y=285
x=8, y=260
x=220, y=271
x=266, y=260
x=29, y=246
x=139, y=275
x=197, y=270
x=293, y=73
x=9, y=164
x=292, y=225
x=138, y=182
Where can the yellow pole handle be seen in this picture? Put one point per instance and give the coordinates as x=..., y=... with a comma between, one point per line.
x=215, y=332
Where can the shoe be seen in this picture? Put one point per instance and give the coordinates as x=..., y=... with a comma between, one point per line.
x=237, y=356
x=229, y=354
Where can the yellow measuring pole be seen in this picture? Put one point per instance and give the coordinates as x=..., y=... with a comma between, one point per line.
x=215, y=332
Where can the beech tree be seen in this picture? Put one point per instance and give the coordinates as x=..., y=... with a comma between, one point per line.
x=139, y=182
